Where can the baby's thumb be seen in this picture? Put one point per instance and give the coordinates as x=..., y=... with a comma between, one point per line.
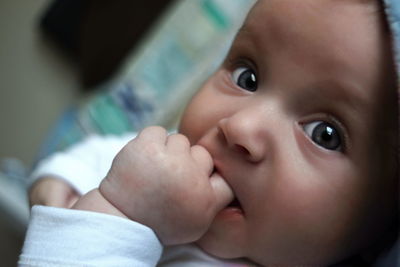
x=223, y=192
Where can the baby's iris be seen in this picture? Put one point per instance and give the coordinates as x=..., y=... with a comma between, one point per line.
x=324, y=134
x=245, y=78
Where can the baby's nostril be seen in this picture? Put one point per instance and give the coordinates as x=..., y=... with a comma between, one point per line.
x=242, y=150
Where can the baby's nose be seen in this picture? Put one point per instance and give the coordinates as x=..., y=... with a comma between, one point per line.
x=246, y=136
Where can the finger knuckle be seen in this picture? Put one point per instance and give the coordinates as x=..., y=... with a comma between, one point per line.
x=157, y=129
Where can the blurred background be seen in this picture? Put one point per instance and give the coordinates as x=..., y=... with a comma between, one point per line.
x=36, y=85
x=71, y=68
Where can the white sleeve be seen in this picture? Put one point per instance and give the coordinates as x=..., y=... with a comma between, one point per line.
x=65, y=237
x=83, y=165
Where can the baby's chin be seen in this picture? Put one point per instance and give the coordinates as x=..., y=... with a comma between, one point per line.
x=231, y=252
x=217, y=249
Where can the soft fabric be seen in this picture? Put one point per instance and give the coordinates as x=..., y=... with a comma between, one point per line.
x=63, y=237
x=85, y=164
x=55, y=234
x=392, y=8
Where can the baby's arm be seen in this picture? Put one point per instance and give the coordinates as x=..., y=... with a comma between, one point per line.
x=94, y=201
x=61, y=178
x=164, y=183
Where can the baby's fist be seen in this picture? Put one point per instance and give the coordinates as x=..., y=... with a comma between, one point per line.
x=163, y=182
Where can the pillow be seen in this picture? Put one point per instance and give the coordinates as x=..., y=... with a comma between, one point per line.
x=155, y=81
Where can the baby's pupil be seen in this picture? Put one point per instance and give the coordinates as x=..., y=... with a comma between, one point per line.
x=326, y=136
x=248, y=80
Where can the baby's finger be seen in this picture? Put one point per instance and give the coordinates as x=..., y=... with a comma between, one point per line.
x=178, y=143
x=153, y=134
x=203, y=158
x=223, y=192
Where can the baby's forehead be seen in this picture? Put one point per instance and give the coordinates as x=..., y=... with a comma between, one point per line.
x=346, y=30
x=303, y=26
x=286, y=12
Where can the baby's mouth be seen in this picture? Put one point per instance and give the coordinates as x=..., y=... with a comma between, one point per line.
x=235, y=204
x=235, y=208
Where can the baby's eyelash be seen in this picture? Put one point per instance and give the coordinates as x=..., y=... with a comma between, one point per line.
x=233, y=61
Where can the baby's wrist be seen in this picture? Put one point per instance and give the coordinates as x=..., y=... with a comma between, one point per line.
x=94, y=201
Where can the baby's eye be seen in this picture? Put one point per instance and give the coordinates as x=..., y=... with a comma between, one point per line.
x=245, y=78
x=324, y=135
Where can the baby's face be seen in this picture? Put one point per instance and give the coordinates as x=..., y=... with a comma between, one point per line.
x=296, y=120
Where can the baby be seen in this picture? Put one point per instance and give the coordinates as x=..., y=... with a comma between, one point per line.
x=287, y=156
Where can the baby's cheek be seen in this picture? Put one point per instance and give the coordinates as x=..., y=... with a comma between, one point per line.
x=190, y=123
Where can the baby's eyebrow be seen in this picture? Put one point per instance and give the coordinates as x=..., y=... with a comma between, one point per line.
x=348, y=99
x=244, y=30
x=348, y=92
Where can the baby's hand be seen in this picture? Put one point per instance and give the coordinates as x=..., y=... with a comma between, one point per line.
x=164, y=183
x=52, y=191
